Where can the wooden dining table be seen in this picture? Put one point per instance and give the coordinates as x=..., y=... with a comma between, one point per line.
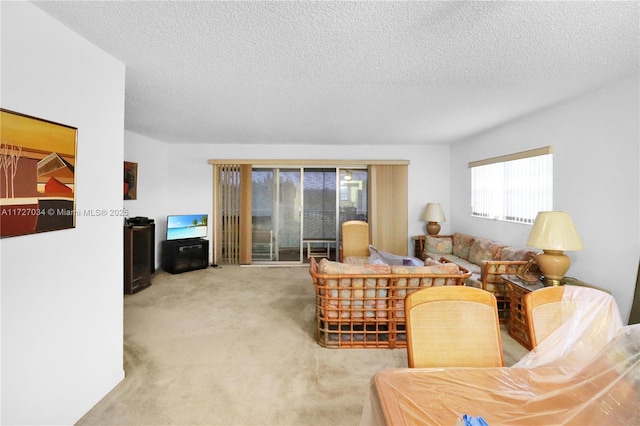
x=605, y=391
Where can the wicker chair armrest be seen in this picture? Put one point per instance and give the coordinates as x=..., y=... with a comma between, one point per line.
x=492, y=270
x=502, y=266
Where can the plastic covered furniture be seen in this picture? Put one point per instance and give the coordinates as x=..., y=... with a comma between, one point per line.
x=587, y=371
x=605, y=391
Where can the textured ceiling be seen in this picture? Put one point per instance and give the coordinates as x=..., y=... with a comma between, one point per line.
x=351, y=72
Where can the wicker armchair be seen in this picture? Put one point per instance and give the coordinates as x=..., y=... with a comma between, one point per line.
x=355, y=239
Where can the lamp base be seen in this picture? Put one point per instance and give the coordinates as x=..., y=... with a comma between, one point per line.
x=551, y=283
x=433, y=228
x=553, y=264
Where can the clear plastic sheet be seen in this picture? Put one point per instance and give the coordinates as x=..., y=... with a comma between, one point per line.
x=587, y=372
x=384, y=257
x=594, y=323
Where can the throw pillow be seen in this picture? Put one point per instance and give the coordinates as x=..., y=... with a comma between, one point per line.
x=462, y=244
x=443, y=268
x=484, y=250
x=337, y=268
x=516, y=253
x=429, y=261
x=356, y=260
x=438, y=244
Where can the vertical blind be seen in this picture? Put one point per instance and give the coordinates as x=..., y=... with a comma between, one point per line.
x=229, y=191
x=513, y=188
x=319, y=214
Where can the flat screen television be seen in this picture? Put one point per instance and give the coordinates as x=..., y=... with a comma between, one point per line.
x=186, y=226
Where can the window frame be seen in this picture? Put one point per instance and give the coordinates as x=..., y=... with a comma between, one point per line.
x=496, y=199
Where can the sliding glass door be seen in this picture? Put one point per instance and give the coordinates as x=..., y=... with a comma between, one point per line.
x=276, y=206
x=263, y=208
x=296, y=213
x=319, y=236
x=265, y=212
x=289, y=209
x=353, y=195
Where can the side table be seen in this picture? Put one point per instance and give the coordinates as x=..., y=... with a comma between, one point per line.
x=517, y=288
x=324, y=251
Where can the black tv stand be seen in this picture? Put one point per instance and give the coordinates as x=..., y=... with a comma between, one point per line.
x=185, y=255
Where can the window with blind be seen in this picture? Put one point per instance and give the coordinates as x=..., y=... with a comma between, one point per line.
x=513, y=188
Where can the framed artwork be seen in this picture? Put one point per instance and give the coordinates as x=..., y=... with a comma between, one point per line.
x=130, y=180
x=37, y=175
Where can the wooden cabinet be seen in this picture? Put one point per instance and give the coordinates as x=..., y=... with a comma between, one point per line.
x=418, y=245
x=139, y=257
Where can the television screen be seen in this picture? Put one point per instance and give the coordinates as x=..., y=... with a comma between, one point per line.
x=185, y=226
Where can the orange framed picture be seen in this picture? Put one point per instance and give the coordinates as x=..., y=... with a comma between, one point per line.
x=130, y=180
x=37, y=175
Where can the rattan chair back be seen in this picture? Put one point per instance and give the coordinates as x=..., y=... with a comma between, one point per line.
x=355, y=238
x=545, y=312
x=453, y=326
x=547, y=309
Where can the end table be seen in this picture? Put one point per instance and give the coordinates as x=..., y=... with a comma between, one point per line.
x=517, y=288
x=418, y=245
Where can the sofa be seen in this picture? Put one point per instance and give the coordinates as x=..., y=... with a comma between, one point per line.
x=487, y=261
x=362, y=305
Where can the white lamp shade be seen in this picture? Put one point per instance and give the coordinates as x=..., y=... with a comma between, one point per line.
x=433, y=213
x=554, y=231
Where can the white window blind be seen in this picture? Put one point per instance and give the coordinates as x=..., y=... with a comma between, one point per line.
x=514, y=187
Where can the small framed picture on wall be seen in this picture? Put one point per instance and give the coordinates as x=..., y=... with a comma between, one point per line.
x=130, y=180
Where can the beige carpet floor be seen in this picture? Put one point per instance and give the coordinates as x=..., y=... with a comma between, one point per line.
x=236, y=346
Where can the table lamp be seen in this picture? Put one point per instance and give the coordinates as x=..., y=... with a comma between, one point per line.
x=433, y=214
x=554, y=232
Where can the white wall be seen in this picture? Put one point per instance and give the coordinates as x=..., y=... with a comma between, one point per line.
x=62, y=291
x=595, y=139
x=153, y=161
x=183, y=182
